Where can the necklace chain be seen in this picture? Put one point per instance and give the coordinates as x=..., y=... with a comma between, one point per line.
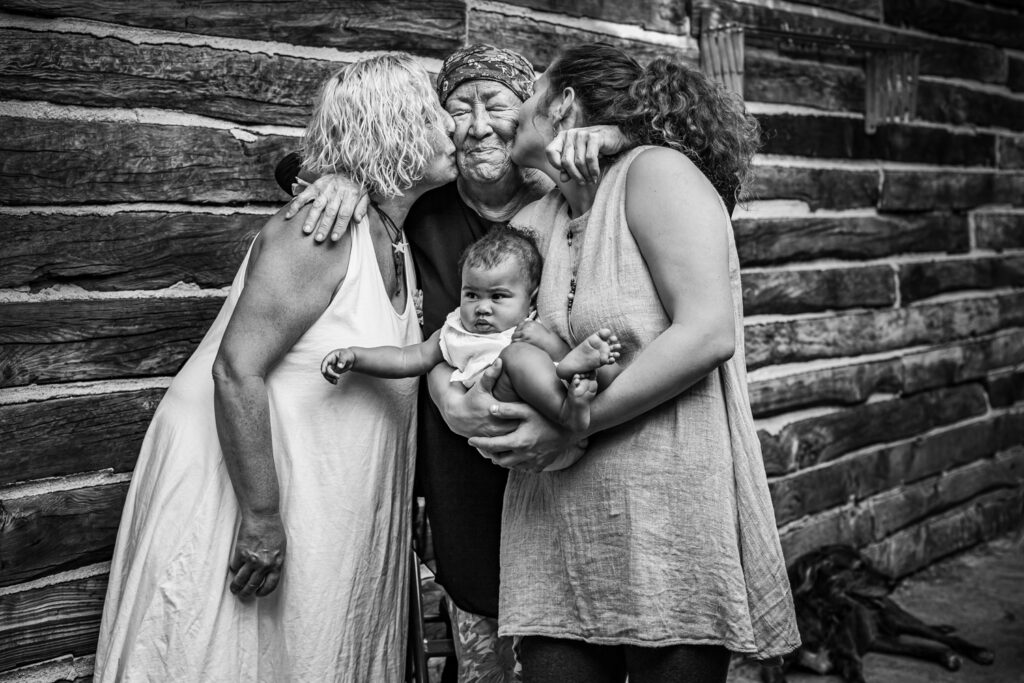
x=398, y=245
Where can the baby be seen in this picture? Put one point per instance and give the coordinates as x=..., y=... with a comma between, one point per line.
x=500, y=277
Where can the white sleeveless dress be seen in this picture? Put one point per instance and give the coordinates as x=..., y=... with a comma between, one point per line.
x=344, y=456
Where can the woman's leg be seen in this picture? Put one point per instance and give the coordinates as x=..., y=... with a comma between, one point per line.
x=691, y=663
x=554, y=660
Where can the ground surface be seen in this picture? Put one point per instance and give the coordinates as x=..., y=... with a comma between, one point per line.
x=980, y=592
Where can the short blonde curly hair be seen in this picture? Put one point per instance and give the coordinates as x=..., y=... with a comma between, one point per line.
x=372, y=121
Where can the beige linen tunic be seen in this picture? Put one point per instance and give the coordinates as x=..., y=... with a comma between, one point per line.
x=664, y=532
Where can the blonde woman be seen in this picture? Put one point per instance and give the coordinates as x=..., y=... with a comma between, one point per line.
x=264, y=532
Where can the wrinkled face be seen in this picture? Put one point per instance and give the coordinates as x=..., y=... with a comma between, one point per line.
x=442, y=169
x=494, y=299
x=486, y=116
x=535, y=130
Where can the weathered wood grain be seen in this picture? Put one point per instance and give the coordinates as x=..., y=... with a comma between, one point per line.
x=657, y=15
x=58, y=531
x=923, y=279
x=80, y=69
x=61, y=341
x=957, y=190
x=1005, y=388
x=1015, y=73
x=998, y=230
x=871, y=9
x=846, y=384
x=805, y=290
x=540, y=41
x=957, y=19
x=989, y=516
x=430, y=27
x=48, y=622
x=852, y=382
x=125, y=250
x=941, y=57
x=962, y=361
x=945, y=102
x=854, y=334
x=822, y=438
x=986, y=495
x=72, y=162
x=821, y=188
x=781, y=240
x=872, y=471
x=840, y=137
x=1010, y=152
x=73, y=434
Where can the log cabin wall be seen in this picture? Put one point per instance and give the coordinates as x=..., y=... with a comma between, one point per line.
x=883, y=274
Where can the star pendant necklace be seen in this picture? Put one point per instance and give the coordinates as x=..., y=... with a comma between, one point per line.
x=398, y=246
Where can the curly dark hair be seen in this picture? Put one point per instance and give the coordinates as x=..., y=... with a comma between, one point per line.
x=500, y=244
x=667, y=104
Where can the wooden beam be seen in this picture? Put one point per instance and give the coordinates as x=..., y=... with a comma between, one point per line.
x=76, y=340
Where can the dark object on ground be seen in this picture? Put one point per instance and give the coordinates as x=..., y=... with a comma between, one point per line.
x=843, y=612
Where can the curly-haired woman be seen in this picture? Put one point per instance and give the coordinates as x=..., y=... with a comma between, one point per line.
x=251, y=452
x=656, y=554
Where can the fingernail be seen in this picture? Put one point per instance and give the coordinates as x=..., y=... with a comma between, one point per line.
x=494, y=409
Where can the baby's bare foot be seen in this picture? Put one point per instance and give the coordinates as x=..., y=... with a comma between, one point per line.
x=575, y=413
x=600, y=348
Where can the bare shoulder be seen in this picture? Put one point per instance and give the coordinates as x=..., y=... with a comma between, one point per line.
x=283, y=247
x=663, y=182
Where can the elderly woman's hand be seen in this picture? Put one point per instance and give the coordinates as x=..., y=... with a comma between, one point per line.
x=535, y=445
x=337, y=203
x=258, y=556
x=576, y=152
x=468, y=413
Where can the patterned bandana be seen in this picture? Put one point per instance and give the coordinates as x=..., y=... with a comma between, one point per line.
x=488, y=63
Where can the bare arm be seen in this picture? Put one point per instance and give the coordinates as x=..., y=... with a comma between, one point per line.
x=682, y=237
x=384, y=361
x=267, y=321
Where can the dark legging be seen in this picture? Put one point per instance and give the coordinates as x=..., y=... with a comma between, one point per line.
x=552, y=660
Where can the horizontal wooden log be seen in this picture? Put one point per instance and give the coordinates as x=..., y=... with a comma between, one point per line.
x=998, y=230
x=770, y=77
x=73, y=434
x=125, y=250
x=57, y=531
x=62, y=341
x=665, y=16
x=540, y=41
x=923, y=279
x=776, y=79
x=957, y=19
x=822, y=438
x=430, y=27
x=804, y=290
x=963, y=361
x=945, y=102
x=1010, y=152
x=988, y=517
x=1015, y=73
x=49, y=622
x=854, y=334
x=820, y=187
x=868, y=473
x=846, y=384
x=80, y=69
x=956, y=190
x=940, y=57
x=853, y=382
x=871, y=9
x=839, y=137
x=778, y=240
x=1005, y=388
x=72, y=162
x=865, y=525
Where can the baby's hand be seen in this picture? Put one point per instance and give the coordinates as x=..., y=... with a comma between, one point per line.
x=337, y=363
x=531, y=331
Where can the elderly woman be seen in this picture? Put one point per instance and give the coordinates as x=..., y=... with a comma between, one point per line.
x=267, y=517
x=482, y=87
